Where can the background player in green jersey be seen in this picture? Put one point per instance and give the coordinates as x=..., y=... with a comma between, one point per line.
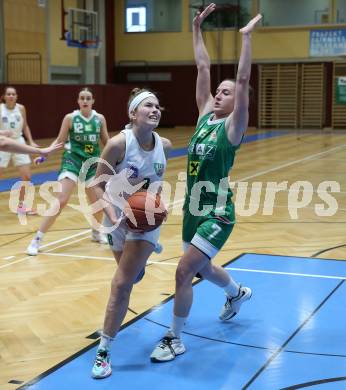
x=208, y=209
x=81, y=131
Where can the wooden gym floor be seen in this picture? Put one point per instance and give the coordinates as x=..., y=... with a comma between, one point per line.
x=50, y=303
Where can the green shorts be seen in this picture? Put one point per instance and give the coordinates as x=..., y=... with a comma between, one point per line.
x=210, y=232
x=71, y=165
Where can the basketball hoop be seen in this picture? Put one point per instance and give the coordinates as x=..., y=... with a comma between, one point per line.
x=91, y=44
x=82, y=44
x=82, y=31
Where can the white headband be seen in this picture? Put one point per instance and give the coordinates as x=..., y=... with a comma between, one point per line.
x=138, y=99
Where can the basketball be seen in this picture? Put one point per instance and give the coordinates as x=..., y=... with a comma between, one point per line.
x=145, y=211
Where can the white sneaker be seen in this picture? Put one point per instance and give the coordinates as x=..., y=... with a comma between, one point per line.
x=33, y=247
x=232, y=304
x=102, y=366
x=158, y=248
x=101, y=238
x=168, y=348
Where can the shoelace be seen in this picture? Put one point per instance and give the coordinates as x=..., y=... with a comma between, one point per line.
x=166, y=342
x=100, y=356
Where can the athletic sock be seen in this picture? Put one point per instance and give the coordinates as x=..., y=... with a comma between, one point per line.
x=39, y=235
x=105, y=342
x=178, y=325
x=232, y=288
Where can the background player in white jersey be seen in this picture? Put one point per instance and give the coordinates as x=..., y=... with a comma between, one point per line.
x=13, y=124
x=81, y=131
x=222, y=122
x=140, y=151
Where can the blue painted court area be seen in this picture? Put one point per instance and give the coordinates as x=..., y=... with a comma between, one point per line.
x=39, y=178
x=292, y=332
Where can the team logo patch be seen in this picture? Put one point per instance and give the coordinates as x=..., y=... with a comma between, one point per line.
x=200, y=149
x=88, y=127
x=213, y=136
x=69, y=161
x=205, y=151
x=159, y=169
x=88, y=148
x=193, y=168
x=4, y=119
x=202, y=132
x=134, y=171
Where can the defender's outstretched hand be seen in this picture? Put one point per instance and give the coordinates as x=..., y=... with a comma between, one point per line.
x=251, y=25
x=50, y=149
x=200, y=16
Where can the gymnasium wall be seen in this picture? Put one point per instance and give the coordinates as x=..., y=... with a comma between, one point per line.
x=28, y=27
x=60, y=54
x=47, y=105
x=269, y=43
x=178, y=94
x=25, y=29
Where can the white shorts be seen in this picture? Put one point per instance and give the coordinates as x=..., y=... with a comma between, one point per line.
x=18, y=159
x=121, y=234
x=203, y=245
x=73, y=177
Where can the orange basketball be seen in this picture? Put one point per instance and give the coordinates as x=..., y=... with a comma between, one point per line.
x=145, y=211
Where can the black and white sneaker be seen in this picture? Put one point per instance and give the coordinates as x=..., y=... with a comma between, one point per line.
x=168, y=348
x=232, y=304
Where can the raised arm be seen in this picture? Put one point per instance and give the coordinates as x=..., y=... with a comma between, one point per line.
x=237, y=122
x=204, y=97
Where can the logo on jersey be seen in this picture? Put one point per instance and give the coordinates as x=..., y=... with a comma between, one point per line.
x=18, y=118
x=88, y=148
x=202, y=133
x=88, y=127
x=4, y=119
x=110, y=239
x=69, y=161
x=213, y=136
x=193, y=168
x=159, y=169
x=134, y=171
x=205, y=151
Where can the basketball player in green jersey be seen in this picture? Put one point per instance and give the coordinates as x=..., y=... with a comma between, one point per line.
x=208, y=210
x=81, y=131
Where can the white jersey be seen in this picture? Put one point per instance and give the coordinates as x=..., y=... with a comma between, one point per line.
x=11, y=120
x=138, y=169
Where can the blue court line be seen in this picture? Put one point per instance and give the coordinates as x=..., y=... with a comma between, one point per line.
x=291, y=332
x=39, y=178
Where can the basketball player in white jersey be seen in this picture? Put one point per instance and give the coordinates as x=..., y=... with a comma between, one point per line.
x=141, y=153
x=13, y=124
